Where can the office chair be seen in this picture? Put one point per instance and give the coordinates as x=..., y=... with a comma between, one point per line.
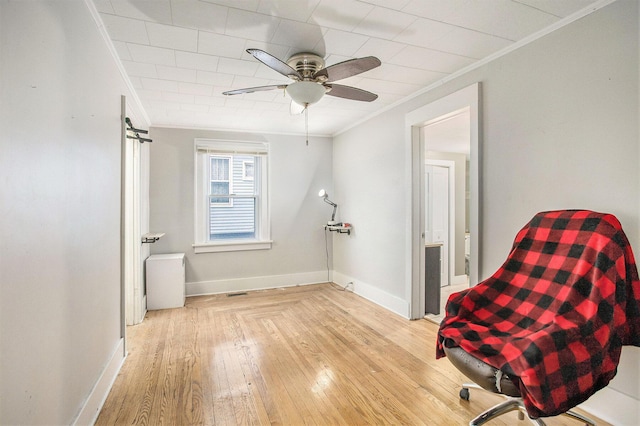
x=547, y=328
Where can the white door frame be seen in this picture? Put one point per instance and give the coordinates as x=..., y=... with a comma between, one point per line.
x=468, y=97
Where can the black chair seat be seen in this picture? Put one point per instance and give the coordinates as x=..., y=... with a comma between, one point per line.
x=481, y=373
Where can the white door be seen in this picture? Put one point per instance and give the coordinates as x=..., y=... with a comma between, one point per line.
x=437, y=217
x=133, y=290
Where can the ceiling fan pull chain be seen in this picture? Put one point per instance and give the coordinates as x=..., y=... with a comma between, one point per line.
x=306, y=122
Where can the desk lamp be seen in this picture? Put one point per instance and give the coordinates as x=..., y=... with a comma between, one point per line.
x=325, y=198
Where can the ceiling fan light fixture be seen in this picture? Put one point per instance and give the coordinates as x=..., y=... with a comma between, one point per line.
x=306, y=93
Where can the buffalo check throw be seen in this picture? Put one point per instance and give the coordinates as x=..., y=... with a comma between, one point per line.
x=556, y=314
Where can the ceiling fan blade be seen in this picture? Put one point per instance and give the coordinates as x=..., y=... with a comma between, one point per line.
x=349, y=92
x=275, y=63
x=254, y=89
x=347, y=68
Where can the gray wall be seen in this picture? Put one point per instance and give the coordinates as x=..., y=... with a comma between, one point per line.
x=59, y=210
x=296, y=173
x=560, y=130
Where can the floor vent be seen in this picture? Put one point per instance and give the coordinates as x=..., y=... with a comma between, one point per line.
x=244, y=293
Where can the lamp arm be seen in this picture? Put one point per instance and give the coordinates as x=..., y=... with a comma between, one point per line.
x=328, y=201
x=333, y=215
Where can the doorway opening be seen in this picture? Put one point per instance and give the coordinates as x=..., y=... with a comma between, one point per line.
x=458, y=215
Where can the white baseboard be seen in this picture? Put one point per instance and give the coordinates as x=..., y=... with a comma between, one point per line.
x=254, y=283
x=613, y=407
x=374, y=294
x=93, y=404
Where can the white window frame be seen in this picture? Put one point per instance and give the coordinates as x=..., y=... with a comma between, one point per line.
x=203, y=148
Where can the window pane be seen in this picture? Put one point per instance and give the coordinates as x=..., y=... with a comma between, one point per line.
x=235, y=222
x=248, y=170
x=219, y=168
x=220, y=188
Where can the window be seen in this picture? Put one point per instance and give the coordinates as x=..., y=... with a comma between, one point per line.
x=232, y=211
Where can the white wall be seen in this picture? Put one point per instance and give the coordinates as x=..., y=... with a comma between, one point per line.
x=297, y=172
x=59, y=210
x=560, y=130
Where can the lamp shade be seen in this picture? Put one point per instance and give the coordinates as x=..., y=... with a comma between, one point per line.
x=306, y=92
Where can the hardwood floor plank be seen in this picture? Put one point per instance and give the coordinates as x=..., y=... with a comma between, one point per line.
x=309, y=355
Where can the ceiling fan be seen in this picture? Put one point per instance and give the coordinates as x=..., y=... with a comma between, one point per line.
x=311, y=79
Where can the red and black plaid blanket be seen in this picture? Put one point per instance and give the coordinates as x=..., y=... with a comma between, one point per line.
x=556, y=314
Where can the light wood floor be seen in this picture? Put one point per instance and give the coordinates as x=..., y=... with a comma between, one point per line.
x=303, y=355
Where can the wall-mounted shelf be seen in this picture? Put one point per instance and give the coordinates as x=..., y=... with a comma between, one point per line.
x=152, y=237
x=340, y=229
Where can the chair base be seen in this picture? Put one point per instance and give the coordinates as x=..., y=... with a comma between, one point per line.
x=511, y=404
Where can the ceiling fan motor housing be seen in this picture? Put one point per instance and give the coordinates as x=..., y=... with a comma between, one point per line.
x=306, y=64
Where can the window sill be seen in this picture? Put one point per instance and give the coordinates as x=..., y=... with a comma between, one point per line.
x=232, y=246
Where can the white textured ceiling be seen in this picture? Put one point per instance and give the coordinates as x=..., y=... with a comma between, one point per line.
x=180, y=55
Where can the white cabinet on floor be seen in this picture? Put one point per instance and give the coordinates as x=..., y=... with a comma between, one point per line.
x=165, y=281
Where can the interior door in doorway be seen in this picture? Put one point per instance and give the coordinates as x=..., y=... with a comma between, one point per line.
x=437, y=217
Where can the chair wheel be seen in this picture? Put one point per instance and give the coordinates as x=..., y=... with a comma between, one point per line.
x=464, y=394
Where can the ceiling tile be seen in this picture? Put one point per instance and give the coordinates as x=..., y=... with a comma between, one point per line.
x=199, y=15
x=254, y=26
x=237, y=66
x=423, y=32
x=395, y=4
x=558, y=8
x=178, y=74
x=152, y=55
x=209, y=100
x=235, y=102
x=340, y=14
x=162, y=85
x=125, y=29
x=251, y=5
x=392, y=87
x=302, y=37
x=161, y=35
x=430, y=60
x=289, y=9
x=195, y=89
x=145, y=10
x=139, y=69
x=196, y=61
x=472, y=44
x=149, y=94
x=384, y=23
x=180, y=98
x=436, y=10
x=220, y=45
x=382, y=49
x=343, y=43
x=214, y=78
x=194, y=108
x=399, y=73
